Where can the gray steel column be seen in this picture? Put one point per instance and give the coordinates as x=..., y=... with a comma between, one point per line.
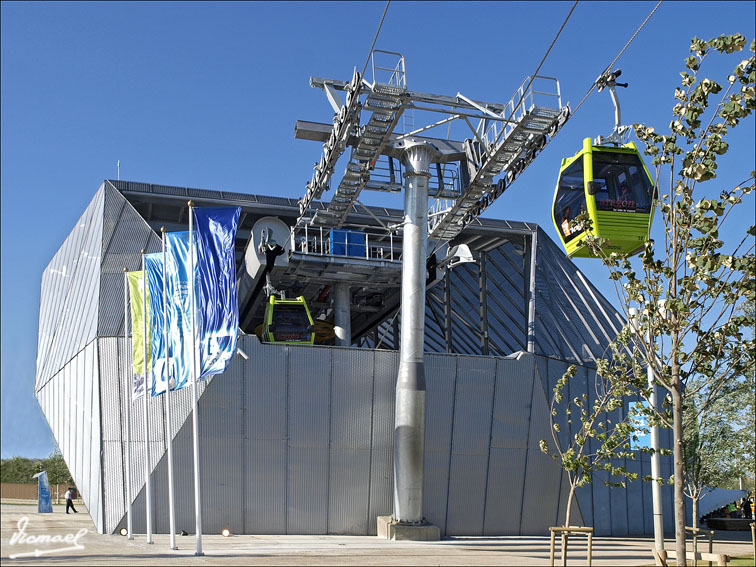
x=483, y=295
x=342, y=317
x=656, y=493
x=447, y=311
x=409, y=425
x=532, y=291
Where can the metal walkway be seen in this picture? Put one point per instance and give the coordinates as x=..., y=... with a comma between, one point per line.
x=506, y=139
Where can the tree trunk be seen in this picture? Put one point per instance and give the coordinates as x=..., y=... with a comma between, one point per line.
x=678, y=469
x=695, y=510
x=569, y=506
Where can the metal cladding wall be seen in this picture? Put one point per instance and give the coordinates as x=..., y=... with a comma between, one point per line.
x=82, y=299
x=299, y=440
x=71, y=402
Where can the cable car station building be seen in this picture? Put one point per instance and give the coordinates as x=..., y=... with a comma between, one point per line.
x=298, y=439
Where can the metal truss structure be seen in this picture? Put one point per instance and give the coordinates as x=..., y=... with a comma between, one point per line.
x=505, y=140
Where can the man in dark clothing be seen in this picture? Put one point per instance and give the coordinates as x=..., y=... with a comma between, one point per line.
x=745, y=508
x=69, y=500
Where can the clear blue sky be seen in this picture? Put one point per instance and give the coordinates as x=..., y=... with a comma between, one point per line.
x=206, y=95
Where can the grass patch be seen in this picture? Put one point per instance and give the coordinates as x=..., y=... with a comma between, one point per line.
x=740, y=561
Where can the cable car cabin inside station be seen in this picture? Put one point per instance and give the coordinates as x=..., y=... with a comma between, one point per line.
x=288, y=321
x=614, y=187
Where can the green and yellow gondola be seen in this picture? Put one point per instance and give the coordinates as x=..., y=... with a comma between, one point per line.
x=611, y=184
x=288, y=321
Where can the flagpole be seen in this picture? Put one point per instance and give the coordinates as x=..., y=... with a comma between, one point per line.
x=168, y=428
x=147, y=485
x=128, y=384
x=195, y=423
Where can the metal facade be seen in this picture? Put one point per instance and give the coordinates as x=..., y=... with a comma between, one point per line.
x=300, y=440
x=315, y=455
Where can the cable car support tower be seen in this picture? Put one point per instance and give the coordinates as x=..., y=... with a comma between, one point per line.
x=447, y=184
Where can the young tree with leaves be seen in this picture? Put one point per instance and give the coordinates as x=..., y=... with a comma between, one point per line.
x=688, y=285
x=595, y=436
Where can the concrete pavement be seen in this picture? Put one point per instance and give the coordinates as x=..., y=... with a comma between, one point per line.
x=72, y=539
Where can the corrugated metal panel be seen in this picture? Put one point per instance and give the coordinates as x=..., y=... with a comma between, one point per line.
x=111, y=212
x=265, y=437
x=221, y=429
x=467, y=493
x=222, y=481
x=440, y=376
x=473, y=403
x=79, y=324
x=382, y=456
x=113, y=476
x=602, y=505
x=351, y=398
x=511, y=417
x=308, y=402
x=648, y=508
x=111, y=294
x=130, y=235
x=113, y=408
x=351, y=421
x=507, y=306
x=470, y=442
x=635, y=508
x=349, y=489
x=542, y=473
x=506, y=473
x=265, y=391
x=265, y=489
x=307, y=489
x=619, y=507
x=436, y=487
x=69, y=284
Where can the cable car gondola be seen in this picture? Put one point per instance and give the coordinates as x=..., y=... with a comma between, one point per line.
x=612, y=185
x=288, y=321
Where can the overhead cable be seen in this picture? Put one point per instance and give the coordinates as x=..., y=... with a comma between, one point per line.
x=609, y=67
x=533, y=76
x=380, y=25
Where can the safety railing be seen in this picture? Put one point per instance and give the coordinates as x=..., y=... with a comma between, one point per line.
x=395, y=75
x=345, y=242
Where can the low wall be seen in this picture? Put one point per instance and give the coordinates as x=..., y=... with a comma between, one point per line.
x=19, y=491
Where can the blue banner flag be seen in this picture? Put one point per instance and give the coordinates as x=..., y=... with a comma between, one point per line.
x=154, y=265
x=44, y=499
x=179, y=308
x=217, y=304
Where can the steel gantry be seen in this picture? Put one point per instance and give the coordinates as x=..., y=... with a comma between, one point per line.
x=506, y=139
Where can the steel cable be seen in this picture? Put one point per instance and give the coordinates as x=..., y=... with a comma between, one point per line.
x=593, y=86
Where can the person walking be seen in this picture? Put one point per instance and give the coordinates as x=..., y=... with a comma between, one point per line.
x=69, y=500
x=745, y=508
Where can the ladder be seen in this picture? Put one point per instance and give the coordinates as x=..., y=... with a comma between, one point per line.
x=508, y=145
x=385, y=103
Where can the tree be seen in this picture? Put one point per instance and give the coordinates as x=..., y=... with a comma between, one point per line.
x=709, y=449
x=687, y=286
x=57, y=471
x=18, y=470
x=599, y=438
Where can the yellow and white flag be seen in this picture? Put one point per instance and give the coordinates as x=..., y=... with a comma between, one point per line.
x=136, y=293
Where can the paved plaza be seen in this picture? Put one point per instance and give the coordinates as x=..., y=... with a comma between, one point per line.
x=78, y=543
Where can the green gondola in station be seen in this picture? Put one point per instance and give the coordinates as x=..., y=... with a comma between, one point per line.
x=288, y=321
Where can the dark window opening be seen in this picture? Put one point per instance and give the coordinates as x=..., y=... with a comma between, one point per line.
x=624, y=185
x=570, y=199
